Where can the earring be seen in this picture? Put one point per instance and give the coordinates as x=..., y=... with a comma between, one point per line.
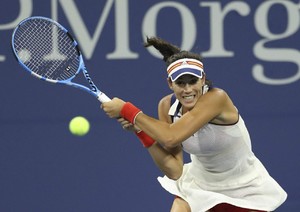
x=205, y=89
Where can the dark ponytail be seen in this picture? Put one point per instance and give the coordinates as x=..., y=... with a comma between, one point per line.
x=166, y=49
x=171, y=53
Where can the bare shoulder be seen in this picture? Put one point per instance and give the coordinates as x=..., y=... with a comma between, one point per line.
x=228, y=113
x=220, y=93
x=165, y=102
x=163, y=108
x=215, y=96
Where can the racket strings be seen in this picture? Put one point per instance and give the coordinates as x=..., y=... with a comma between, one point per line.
x=47, y=50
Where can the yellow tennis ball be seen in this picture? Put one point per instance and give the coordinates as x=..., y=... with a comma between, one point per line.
x=79, y=126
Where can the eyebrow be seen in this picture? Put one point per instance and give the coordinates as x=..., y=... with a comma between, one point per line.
x=189, y=80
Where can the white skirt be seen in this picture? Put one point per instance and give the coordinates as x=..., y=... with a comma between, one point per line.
x=263, y=193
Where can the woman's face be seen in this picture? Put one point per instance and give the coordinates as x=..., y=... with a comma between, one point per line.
x=187, y=89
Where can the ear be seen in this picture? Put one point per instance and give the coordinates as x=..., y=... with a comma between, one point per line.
x=203, y=80
x=170, y=83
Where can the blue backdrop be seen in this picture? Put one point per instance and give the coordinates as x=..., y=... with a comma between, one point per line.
x=251, y=50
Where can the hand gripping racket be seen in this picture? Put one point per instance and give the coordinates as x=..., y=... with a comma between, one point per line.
x=47, y=50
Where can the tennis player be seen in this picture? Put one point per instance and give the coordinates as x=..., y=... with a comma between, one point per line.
x=224, y=174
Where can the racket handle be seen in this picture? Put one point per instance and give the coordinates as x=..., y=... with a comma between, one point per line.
x=103, y=98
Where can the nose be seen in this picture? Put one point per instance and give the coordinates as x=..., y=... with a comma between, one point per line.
x=187, y=87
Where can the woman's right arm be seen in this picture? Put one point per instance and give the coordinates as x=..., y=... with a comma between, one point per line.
x=169, y=161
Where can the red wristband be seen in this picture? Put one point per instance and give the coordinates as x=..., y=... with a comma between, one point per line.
x=146, y=140
x=129, y=112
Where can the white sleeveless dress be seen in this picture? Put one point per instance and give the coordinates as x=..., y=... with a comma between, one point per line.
x=223, y=169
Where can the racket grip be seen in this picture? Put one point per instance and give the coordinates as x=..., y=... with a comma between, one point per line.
x=103, y=98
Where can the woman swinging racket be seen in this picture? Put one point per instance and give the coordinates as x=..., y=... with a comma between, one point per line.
x=224, y=174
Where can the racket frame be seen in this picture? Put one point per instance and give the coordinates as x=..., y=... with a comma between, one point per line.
x=92, y=89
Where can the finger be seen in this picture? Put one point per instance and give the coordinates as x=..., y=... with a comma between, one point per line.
x=120, y=119
x=125, y=122
x=125, y=127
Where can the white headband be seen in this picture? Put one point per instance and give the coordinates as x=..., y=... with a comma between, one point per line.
x=185, y=66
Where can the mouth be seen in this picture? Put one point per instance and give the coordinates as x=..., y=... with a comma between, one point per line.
x=189, y=98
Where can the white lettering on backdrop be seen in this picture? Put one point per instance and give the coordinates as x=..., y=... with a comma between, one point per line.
x=189, y=30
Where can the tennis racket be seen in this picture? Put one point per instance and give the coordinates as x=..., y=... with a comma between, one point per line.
x=47, y=50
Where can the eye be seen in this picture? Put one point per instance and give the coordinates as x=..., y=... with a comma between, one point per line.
x=180, y=83
x=193, y=81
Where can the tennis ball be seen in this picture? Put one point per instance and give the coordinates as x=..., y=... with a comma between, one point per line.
x=79, y=126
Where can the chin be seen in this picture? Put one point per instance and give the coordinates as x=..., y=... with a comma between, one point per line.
x=188, y=104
